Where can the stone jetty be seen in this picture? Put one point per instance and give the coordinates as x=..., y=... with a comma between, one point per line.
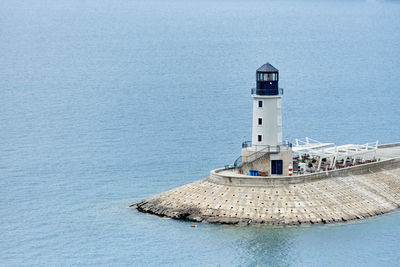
x=339, y=195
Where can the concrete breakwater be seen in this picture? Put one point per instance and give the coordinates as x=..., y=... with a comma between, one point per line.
x=325, y=197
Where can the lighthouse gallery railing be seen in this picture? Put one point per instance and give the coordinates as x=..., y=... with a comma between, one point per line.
x=277, y=91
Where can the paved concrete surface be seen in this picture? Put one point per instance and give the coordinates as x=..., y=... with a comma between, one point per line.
x=348, y=196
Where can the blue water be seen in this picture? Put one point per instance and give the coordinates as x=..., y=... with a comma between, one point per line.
x=104, y=103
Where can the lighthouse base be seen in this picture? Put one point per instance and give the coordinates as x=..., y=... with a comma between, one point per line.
x=326, y=197
x=269, y=164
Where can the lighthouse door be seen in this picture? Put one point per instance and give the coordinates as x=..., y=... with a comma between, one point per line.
x=276, y=166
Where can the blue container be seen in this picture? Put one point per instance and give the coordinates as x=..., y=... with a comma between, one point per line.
x=253, y=173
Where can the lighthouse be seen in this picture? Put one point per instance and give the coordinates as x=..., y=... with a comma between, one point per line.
x=267, y=107
x=260, y=186
x=266, y=154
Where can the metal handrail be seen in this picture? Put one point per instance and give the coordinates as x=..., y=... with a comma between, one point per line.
x=246, y=144
x=285, y=145
x=256, y=91
x=258, y=154
x=238, y=162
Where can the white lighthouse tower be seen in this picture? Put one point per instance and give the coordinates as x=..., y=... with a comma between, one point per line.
x=266, y=154
x=267, y=108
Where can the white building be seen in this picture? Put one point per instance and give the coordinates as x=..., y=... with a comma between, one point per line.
x=266, y=153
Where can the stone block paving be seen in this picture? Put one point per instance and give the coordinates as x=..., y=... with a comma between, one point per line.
x=329, y=200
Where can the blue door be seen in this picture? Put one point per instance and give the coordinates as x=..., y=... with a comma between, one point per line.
x=276, y=166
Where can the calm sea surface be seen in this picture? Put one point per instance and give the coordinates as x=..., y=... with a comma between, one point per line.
x=104, y=103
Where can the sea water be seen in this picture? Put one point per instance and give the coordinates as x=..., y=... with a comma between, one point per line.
x=104, y=103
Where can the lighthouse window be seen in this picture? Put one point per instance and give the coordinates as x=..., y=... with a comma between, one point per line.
x=270, y=77
x=259, y=138
x=260, y=103
x=259, y=121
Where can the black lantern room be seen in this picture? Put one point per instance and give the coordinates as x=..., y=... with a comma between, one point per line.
x=267, y=80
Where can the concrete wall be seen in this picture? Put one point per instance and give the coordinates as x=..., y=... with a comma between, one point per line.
x=263, y=164
x=232, y=178
x=286, y=157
